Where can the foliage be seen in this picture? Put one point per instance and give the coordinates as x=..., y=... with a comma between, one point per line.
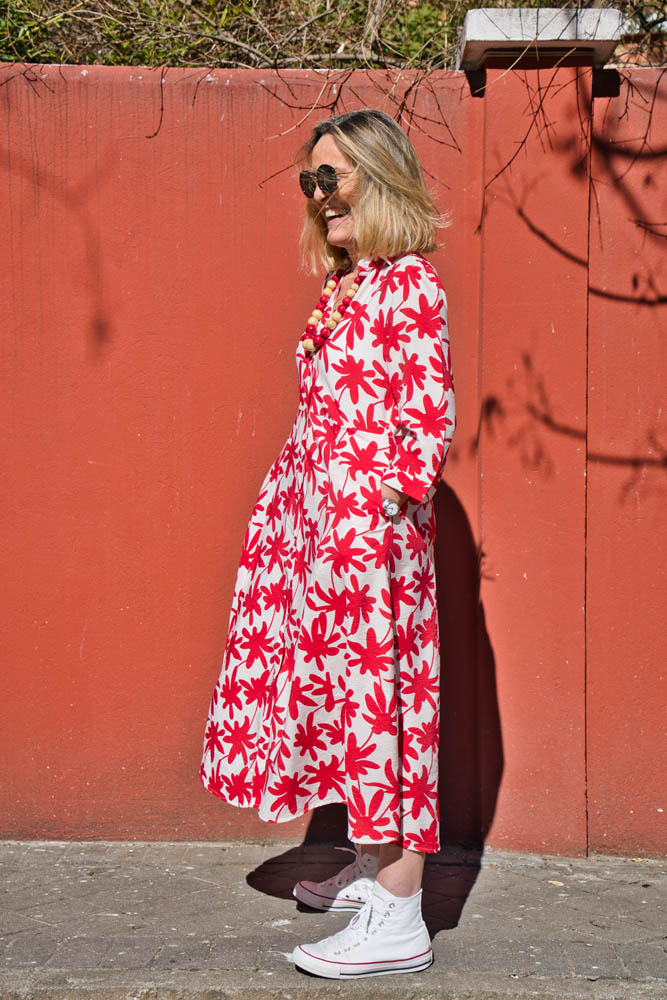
x=269, y=33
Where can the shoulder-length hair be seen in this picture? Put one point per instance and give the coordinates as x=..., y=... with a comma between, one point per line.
x=394, y=213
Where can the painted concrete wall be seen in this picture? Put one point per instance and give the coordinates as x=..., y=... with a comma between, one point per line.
x=151, y=303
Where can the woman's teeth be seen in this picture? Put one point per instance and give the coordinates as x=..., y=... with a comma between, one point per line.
x=332, y=213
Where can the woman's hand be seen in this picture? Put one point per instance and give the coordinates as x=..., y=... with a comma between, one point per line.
x=389, y=491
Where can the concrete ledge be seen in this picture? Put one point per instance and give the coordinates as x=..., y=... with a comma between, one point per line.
x=495, y=32
x=251, y=985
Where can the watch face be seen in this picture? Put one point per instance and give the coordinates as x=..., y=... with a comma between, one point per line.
x=390, y=507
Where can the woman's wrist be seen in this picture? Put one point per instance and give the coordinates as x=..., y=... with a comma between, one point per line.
x=391, y=493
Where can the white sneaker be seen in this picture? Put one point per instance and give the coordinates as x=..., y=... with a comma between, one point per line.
x=387, y=935
x=348, y=890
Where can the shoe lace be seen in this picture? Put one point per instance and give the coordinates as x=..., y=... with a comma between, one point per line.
x=348, y=874
x=360, y=925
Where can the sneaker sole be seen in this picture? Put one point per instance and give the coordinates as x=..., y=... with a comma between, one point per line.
x=359, y=970
x=317, y=902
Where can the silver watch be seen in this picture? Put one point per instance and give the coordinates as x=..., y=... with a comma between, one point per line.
x=390, y=507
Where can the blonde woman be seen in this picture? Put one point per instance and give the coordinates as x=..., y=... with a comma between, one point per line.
x=330, y=679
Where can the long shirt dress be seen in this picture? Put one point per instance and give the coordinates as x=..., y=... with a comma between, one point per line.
x=330, y=678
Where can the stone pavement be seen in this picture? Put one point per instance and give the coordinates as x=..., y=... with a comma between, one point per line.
x=158, y=921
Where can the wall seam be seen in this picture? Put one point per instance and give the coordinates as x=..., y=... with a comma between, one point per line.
x=586, y=453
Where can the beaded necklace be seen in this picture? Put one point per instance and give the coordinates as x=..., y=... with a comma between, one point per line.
x=312, y=340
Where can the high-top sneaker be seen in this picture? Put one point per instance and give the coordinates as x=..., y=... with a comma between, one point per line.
x=348, y=890
x=387, y=935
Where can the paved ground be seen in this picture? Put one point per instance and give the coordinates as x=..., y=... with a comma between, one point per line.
x=175, y=921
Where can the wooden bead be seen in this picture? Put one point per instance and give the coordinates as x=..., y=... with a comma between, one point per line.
x=331, y=284
x=353, y=289
x=316, y=317
x=336, y=317
x=309, y=344
x=330, y=324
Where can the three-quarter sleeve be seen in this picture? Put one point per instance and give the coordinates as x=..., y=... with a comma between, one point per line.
x=411, y=328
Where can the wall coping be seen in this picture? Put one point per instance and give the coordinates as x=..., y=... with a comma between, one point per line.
x=494, y=31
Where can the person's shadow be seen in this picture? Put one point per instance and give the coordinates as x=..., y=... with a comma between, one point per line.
x=471, y=755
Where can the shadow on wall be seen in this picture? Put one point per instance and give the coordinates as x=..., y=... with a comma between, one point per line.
x=471, y=755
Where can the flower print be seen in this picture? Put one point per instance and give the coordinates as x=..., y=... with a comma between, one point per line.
x=256, y=644
x=238, y=788
x=407, y=640
x=322, y=687
x=256, y=688
x=428, y=630
x=353, y=376
x=335, y=732
x=419, y=687
x=275, y=596
x=277, y=550
x=329, y=685
x=408, y=749
x=331, y=602
x=316, y=644
x=285, y=793
x=430, y=417
x=361, y=460
x=413, y=375
x=328, y=775
x=371, y=654
x=422, y=792
x=307, y=738
x=238, y=740
x=366, y=422
x=416, y=543
x=400, y=593
x=215, y=781
x=424, y=585
x=381, y=548
x=360, y=604
x=364, y=821
x=344, y=506
x=229, y=692
x=359, y=759
x=213, y=742
x=387, y=333
x=382, y=716
x=425, y=840
x=299, y=695
x=392, y=787
x=356, y=321
x=427, y=734
x=343, y=554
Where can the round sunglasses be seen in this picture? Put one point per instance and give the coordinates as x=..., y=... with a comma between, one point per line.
x=325, y=178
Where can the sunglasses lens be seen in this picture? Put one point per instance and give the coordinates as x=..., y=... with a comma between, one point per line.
x=326, y=179
x=308, y=183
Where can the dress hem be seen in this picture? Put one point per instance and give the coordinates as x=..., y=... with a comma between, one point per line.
x=298, y=815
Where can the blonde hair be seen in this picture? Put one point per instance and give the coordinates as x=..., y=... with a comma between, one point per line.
x=394, y=213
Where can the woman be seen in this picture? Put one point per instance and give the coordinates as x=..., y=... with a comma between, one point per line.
x=330, y=680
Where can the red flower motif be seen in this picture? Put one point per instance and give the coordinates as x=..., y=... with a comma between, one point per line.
x=307, y=738
x=382, y=716
x=422, y=792
x=372, y=655
x=329, y=776
x=285, y=793
x=358, y=759
x=421, y=686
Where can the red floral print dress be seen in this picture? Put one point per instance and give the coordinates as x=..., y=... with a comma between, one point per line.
x=330, y=678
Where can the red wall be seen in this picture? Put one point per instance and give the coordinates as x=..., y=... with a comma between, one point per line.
x=151, y=304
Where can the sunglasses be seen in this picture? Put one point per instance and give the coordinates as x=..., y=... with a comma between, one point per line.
x=325, y=178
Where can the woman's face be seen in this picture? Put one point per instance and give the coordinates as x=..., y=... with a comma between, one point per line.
x=337, y=208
